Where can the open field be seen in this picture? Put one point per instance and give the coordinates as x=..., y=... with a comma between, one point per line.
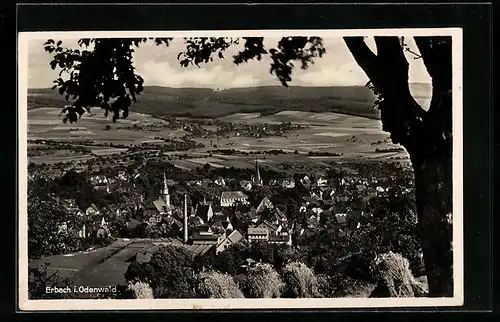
x=104, y=266
x=348, y=136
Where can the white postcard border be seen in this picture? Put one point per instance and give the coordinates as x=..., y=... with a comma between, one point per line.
x=182, y=304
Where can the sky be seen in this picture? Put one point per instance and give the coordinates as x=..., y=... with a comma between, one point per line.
x=158, y=66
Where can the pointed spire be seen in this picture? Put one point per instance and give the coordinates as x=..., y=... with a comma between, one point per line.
x=258, y=179
x=165, y=186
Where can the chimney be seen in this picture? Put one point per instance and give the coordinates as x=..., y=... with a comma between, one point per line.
x=185, y=219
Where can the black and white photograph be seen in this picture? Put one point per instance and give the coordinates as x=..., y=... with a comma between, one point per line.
x=240, y=169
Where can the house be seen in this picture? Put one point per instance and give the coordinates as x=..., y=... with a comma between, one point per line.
x=321, y=182
x=220, y=222
x=75, y=211
x=279, y=217
x=154, y=219
x=195, y=221
x=264, y=204
x=122, y=175
x=207, y=238
x=280, y=239
x=99, y=179
x=288, y=183
x=246, y=185
x=220, y=182
x=306, y=181
x=272, y=228
x=313, y=221
x=361, y=187
x=82, y=233
x=249, y=262
x=198, y=250
x=231, y=198
x=233, y=238
x=317, y=211
x=102, y=229
x=298, y=229
x=316, y=194
x=92, y=210
x=341, y=218
x=102, y=187
x=173, y=222
x=257, y=234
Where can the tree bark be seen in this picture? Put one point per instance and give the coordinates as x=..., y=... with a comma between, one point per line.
x=433, y=196
x=426, y=135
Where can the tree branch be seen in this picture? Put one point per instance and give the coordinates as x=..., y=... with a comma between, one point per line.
x=436, y=54
x=363, y=55
x=401, y=115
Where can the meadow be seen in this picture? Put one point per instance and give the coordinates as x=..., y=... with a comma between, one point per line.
x=345, y=135
x=339, y=120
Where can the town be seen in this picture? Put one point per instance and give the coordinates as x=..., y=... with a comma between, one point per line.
x=322, y=217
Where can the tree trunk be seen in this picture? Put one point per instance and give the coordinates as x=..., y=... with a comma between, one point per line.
x=427, y=137
x=434, y=211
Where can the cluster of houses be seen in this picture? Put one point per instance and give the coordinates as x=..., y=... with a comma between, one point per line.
x=88, y=223
x=208, y=225
x=103, y=183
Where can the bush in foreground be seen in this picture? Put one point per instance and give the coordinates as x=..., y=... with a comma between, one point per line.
x=300, y=281
x=263, y=282
x=217, y=285
x=395, y=278
x=169, y=272
x=141, y=290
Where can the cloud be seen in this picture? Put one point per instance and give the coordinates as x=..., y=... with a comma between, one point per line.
x=163, y=74
x=333, y=75
x=158, y=66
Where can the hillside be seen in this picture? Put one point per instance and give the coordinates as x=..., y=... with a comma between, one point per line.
x=200, y=102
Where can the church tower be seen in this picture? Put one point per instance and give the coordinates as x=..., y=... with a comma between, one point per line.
x=165, y=193
x=257, y=177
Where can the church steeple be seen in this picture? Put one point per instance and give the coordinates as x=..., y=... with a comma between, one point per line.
x=257, y=178
x=165, y=192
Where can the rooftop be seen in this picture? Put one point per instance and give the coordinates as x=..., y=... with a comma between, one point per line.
x=278, y=238
x=235, y=237
x=257, y=231
x=233, y=195
x=210, y=237
x=198, y=249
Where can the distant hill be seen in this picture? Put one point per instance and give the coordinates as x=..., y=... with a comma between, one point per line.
x=200, y=102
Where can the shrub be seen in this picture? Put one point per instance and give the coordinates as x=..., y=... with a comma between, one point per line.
x=141, y=290
x=326, y=285
x=392, y=271
x=213, y=284
x=300, y=281
x=169, y=272
x=263, y=282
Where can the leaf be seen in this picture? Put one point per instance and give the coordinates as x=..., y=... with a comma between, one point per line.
x=59, y=43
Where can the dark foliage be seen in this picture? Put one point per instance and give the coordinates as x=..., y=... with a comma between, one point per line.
x=169, y=273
